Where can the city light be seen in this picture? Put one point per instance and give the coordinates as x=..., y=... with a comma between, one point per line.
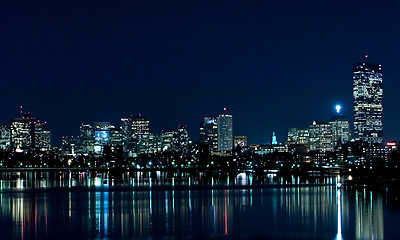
x=338, y=107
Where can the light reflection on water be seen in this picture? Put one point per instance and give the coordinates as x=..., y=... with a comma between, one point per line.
x=68, y=179
x=302, y=212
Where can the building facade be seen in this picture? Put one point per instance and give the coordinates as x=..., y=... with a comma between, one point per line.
x=225, y=132
x=209, y=133
x=42, y=136
x=367, y=99
x=341, y=131
x=22, y=133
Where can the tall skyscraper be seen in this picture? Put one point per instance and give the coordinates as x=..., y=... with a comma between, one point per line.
x=209, y=133
x=140, y=130
x=87, y=138
x=126, y=132
x=367, y=97
x=225, y=135
x=42, y=136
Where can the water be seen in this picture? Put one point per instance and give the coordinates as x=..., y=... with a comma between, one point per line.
x=53, y=205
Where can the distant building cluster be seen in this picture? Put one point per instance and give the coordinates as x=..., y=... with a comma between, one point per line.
x=321, y=136
x=25, y=134
x=217, y=133
x=133, y=144
x=131, y=139
x=332, y=140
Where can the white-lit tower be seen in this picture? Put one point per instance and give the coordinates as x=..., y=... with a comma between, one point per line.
x=367, y=98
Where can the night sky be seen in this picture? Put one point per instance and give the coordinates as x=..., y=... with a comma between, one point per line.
x=273, y=64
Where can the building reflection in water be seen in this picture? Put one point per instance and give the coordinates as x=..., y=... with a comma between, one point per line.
x=319, y=212
x=369, y=219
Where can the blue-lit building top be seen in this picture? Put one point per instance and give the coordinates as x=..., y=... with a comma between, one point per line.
x=101, y=136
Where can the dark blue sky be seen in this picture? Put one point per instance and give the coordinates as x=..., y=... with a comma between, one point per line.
x=273, y=64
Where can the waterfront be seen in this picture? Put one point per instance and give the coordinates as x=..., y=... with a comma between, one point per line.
x=89, y=205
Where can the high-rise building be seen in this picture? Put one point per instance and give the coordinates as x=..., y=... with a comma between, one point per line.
x=140, y=127
x=140, y=130
x=42, y=136
x=209, y=133
x=22, y=133
x=87, y=138
x=115, y=136
x=367, y=97
x=126, y=132
x=5, y=137
x=225, y=134
x=320, y=137
x=341, y=132
x=175, y=140
x=101, y=136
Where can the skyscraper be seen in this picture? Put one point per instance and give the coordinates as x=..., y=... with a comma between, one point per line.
x=225, y=135
x=22, y=133
x=87, y=138
x=5, y=137
x=101, y=136
x=42, y=136
x=209, y=133
x=140, y=130
x=367, y=97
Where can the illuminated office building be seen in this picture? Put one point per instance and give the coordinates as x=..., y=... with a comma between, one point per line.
x=87, y=138
x=115, y=136
x=367, y=97
x=225, y=133
x=70, y=145
x=140, y=130
x=298, y=136
x=126, y=132
x=22, y=133
x=209, y=133
x=5, y=137
x=175, y=140
x=42, y=136
x=341, y=132
x=101, y=136
x=321, y=138
x=140, y=127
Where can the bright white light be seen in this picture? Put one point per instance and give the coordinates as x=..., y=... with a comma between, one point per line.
x=338, y=107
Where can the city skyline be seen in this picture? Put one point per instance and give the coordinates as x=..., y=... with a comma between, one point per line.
x=199, y=119
x=274, y=65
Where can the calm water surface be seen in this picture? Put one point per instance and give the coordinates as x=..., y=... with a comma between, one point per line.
x=87, y=205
